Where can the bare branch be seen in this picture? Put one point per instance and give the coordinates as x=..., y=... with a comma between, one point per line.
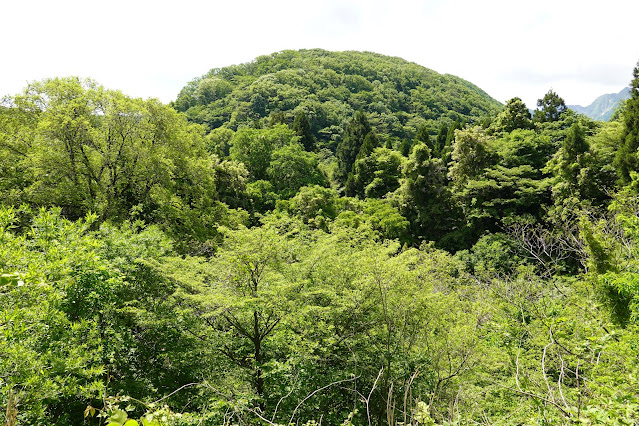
x=532, y=395
x=176, y=391
x=368, y=399
x=277, y=406
x=310, y=395
x=543, y=369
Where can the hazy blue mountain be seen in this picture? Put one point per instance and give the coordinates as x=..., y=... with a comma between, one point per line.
x=604, y=106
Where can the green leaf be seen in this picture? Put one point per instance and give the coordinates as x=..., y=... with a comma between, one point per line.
x=118, y=417
x=89, y=411
x=149, y=422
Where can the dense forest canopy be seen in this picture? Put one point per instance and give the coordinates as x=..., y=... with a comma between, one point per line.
x=399, y=97
x=316, y=238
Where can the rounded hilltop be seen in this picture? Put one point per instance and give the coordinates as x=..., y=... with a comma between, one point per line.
x=399, y=96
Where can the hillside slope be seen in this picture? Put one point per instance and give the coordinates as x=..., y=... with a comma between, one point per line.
x=399, y=96
x=604, y=106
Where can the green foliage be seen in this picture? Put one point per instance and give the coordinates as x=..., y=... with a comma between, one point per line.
x=51, y=358
x=348, y=149
x=493, y=255
x=84, y=317
x=232, y=181
x=497, y=179
x=385, y=219
x=574, y=174
x=469, y=156
x=218, y=141
x=248, y=299
x=376, y=175
x=373, y=218
x=262, y=195
x=302, y=127
x=328, y=87
x=514, y=116
x=292, y=167
x=551, y=107
x=422, y=135
x=117, y=411
x=422, y=195
x=254, y=147
x=161, y=307
x=315, y=205
x=612, y=254
x=522, y=147
x=626, y=159
x=87, y=149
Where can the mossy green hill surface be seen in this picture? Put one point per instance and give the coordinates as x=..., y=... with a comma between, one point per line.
x=399, y=96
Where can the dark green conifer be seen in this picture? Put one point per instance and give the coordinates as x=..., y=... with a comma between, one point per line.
x=447, y=147
x=423, y=136
x=348, y=149
x=405, y=147
x=276, y=118
x=302, y=128
x=441, y=136
x=551, y=107
x=575, y=144
x=369, y=144
x=626, y=159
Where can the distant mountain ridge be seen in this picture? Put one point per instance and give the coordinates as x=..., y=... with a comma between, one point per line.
x=604, y=106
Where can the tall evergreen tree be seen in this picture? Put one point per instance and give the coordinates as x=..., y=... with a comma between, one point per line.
x=626, y=158
x=348, y=149
x=302, y=128
x=551, y=107
x=450, y=136
x=405, y=147
x=423, y=136
x=368, y=145
x=447, y=147
x=572, y=178
x=422, y=195
x=440, y=142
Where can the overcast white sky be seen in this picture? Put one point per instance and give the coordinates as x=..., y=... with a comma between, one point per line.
x=579, y=48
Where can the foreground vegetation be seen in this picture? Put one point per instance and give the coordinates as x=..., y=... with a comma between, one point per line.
x=302, y=258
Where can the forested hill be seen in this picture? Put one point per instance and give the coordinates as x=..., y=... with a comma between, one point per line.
x=346, y=239
x=399, y=96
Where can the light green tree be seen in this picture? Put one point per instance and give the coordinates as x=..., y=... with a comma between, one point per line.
x=84, y=148
x=292, y=167
x=514, y=116
x=377, y=174
x=255, y=147
x=469, y=155
x=244, y=296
